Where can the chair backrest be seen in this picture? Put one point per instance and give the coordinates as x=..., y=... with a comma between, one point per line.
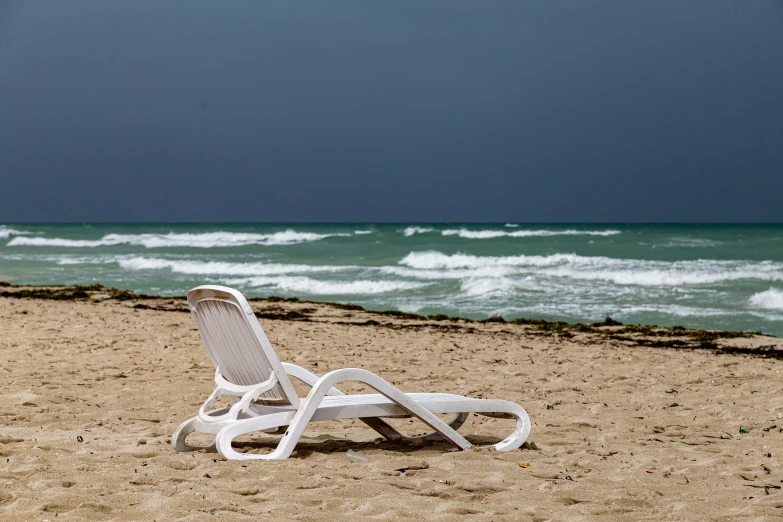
x=236, y=342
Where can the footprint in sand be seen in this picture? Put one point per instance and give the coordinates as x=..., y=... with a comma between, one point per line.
x=459, y=510
x=182, y=465
x=92, y=508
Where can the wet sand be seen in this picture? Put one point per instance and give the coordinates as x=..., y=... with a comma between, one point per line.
x=92, y=392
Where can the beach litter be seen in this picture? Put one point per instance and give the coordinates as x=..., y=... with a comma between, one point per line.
x=355, y=456
x=744, y=430
x=530, y=445
x=523, y=464
x=413, y=468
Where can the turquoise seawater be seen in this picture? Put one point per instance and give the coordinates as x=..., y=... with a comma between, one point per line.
x=707, y=276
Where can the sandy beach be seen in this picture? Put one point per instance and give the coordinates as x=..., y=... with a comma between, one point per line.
x=93, y=388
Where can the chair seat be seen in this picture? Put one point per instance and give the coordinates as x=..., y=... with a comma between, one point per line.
x=334, y=407
x=377, y=398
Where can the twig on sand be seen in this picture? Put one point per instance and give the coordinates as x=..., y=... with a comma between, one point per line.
x=766, y=487
x=722, y=437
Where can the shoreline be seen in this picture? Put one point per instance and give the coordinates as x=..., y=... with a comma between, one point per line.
x=673, y=337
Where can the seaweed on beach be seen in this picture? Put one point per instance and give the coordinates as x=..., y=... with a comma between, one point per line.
x=126, y=295
x=53, y=294
x=764, y=352
x=400, y=315
x=608, y=322
x=74, y=292
x=441, y=317
x=493, y=319
x=285, y=315
x=348, y=306
x=278, y=299
x=410, y=326
x=543, y=324
x=142, y=306
x=653, y=336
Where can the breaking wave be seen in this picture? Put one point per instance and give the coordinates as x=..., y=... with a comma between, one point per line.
x=485, y=287
x=610, y=270
x=6, y=232
x=416, y=230
x=771, y=299
x=705, y=277
x=489, y=234
x=691, y=242
x=224, y=268
x=307, y=285
x=436, y=260
x=182, y=240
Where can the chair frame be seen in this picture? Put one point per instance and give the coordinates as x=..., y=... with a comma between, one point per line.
x=324, y=401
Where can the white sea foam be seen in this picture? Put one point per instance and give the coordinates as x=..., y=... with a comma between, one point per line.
x=417, y=230
x=616, y=271
x=476, y=234
x=677, y=274
x=308, y=285
x=487, y=286
x=690, y=242
x=432, y=259
x=771, y=299
x=453, y=273
x=597, y=311
x=489, y=234
x=221, y=268
x=6, y=232
x=55, y=242
x=558, y=286
x=65, y=260
x=511, y=225
x=186, y=240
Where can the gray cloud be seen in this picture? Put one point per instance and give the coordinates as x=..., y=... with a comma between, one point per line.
x=391, y=111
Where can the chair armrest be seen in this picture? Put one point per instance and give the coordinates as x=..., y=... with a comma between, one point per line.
x=306, y=376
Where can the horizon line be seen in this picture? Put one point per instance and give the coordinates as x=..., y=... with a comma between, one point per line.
x=502, y=222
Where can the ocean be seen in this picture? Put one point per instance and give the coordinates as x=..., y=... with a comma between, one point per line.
x=705, y=276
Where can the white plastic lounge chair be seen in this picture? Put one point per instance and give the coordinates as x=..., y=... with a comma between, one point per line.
x=248, y=370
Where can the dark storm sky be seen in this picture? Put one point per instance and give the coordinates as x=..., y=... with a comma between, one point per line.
x=148, y=110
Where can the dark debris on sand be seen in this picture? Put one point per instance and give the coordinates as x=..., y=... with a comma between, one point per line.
x=676, y=337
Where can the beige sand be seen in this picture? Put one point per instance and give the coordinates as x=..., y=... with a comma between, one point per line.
x=622, y=432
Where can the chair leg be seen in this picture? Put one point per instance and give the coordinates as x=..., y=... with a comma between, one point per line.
x=454, y=423
x=309, y=405
x=521, y=430
x=508, y=409
x=265, y=423
x=382, y=427
x=185, y=429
